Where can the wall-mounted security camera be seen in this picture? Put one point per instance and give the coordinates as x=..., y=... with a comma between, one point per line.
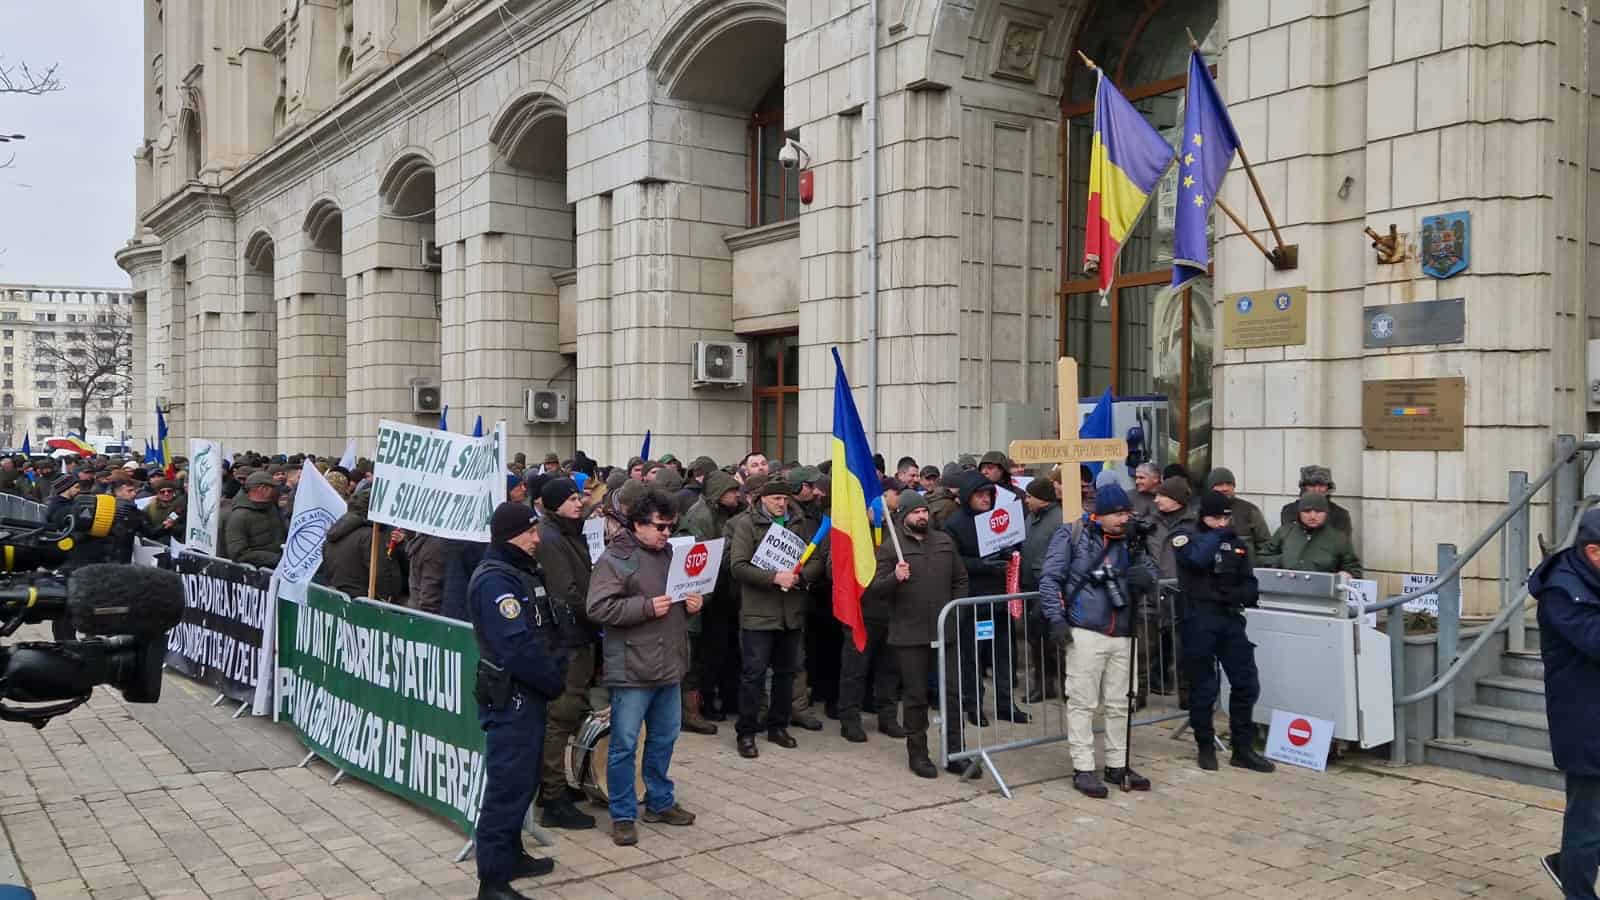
x=791, y=155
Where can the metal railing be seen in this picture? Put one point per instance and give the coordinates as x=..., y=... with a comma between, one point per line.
x=1004, y=632
x=1512, y=526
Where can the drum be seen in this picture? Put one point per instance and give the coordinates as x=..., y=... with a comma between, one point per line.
x=586, y=758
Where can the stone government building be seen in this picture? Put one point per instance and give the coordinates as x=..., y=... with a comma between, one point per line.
x=341, y=200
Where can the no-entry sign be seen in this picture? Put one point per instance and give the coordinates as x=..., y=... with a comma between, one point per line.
x=1299, y=740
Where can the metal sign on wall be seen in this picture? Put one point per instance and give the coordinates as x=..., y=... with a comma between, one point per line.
x=1267, y=318
x=1414, y=413
x=1414, y=324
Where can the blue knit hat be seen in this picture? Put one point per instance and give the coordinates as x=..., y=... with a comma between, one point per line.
x=1110, y=498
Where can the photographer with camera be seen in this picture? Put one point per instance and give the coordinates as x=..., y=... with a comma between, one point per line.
x=1096, y=571
x=1218, y=582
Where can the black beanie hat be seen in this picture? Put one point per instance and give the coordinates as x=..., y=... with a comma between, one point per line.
x=1215, y=503
x=555, y=492
x=511, y=519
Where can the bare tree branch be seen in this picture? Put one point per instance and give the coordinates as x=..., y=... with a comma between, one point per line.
x=94, y=360
x=19, y=79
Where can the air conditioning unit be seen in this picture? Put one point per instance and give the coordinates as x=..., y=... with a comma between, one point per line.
x=432, y=255
x=717, y=362
x=425, y=398
x=548, y=407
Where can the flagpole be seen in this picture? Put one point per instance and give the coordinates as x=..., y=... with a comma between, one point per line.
x=1280, y=257
x=1245, y=230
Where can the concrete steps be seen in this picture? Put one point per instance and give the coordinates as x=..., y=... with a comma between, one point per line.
x=1502, y=732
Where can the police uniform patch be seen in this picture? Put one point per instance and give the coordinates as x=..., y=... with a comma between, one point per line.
x=510, y=607
x=1180, y=540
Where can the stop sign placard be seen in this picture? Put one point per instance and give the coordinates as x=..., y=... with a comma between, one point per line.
x=695, y=562
x=1000, y=521
x=1299, y=732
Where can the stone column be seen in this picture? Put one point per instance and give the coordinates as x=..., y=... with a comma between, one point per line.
x=142, y=262
x=311, y=353
x=595, y=252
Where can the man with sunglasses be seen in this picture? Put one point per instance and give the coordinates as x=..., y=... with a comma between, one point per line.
x=645, y=655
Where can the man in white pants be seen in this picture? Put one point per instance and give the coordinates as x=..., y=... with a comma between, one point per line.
x=1090, y=585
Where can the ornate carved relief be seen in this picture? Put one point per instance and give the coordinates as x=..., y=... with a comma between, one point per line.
x=1017, y=52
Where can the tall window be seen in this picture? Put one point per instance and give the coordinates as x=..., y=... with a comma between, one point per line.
x=1143, y=339
x=775, y=422
x=774, y=190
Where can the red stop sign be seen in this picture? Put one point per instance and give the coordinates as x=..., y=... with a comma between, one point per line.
x=1000, y=521
x=695, y=562
x=1299, y=732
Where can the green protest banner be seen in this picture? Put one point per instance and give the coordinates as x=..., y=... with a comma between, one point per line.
x=385, y=695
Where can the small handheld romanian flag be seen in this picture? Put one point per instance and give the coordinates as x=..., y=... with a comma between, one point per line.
x=855, y=487
x=1126, y=162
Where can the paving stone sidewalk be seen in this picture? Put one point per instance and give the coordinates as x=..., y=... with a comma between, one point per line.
x=179, y=800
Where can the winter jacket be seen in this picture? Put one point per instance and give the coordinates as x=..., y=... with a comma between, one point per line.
x=1167, y=524
x=1338, y=517
x=942, y=504
x=1250, y=523
x=428, y=557
x=763, y=605
x=348, y=555
x=641, y=649
x=1568, y=589
x=1325, y=550
x=1073, y=552
x=512, y=631
x=707, y=518
x=563, y=556
x=688, y=496
x=461, y=559
x=986, y=575
x=937, y=577
x=1042, y=527
x=254, y=534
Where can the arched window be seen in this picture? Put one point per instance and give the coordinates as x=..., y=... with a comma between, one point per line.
x=1143, y=339
x=193, y=151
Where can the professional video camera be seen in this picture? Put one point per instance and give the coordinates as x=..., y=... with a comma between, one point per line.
x=98, y=529
x=124, y=612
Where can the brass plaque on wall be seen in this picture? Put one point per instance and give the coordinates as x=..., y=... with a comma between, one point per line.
x=1266, y=318
x=1414, y=413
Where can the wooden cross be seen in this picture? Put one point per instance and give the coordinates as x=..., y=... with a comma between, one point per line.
x=1069, y=451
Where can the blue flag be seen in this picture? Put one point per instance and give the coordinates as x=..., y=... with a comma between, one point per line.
x=477, y=427
x=644, y=452
x=27, y=448
x=1209, y=143
x=1098, y=424
x=444, y=418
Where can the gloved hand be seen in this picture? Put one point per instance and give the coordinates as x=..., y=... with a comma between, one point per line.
x=1141, y=580
x=1060, y=630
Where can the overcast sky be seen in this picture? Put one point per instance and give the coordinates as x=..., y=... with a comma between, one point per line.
x=66, y=204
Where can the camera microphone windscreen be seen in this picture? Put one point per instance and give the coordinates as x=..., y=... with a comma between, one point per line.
x=142, y=601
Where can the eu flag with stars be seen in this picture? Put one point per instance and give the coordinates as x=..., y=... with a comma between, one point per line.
x=1209, y=143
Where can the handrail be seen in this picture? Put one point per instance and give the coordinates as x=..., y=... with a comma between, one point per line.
x=1489, y=533
x=1498, y=624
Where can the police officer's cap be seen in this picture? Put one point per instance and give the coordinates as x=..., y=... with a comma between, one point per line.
x=511, y=519
x=1215, y=503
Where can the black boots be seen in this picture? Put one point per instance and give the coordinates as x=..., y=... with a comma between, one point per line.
x=1208, y=756
x=1246, y=757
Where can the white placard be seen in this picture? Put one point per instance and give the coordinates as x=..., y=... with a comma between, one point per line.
x=317, y=506
x=694, y=567
x=438, y=482
x=1427, y=603
x=779, y=550
x=205, y=495
x=594, y=531
x=1363, y=589
x=1021, y=482
x=1299, y=740
x=1004, y=526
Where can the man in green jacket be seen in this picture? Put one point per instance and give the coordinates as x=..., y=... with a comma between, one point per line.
x=1249, y=522
x=254, y=532
x=772, y=613
x=1311, y=544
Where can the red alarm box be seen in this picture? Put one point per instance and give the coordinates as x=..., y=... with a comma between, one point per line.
x=807, y=189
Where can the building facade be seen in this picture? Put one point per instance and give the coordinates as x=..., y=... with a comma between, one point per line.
x=344, y=202
x=37, y=398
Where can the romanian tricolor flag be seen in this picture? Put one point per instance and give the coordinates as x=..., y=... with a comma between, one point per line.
x=1126, y=163
x=161, y=448
x=855, y=488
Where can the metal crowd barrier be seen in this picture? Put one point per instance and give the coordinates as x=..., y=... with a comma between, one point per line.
x=20, y=510
x=981, y=635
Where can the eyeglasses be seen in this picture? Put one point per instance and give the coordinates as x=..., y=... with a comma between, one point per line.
x=663, y=527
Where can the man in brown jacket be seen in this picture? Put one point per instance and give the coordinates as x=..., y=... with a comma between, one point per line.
x=772, y=613
x=916, y=590
x=563, y=555
x=646, y=654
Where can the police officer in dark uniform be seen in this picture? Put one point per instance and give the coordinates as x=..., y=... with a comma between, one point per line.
x=1217, y=578
x=520, y=670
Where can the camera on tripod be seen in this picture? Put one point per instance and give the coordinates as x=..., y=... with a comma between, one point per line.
x=79, y=572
